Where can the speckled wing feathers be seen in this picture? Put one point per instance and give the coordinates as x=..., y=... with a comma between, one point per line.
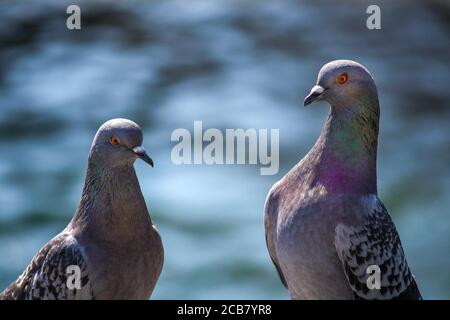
x=376, y=242
x=46, y=276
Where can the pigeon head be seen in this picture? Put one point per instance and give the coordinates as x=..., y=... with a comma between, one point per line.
x=344, y=83
x=118, y=142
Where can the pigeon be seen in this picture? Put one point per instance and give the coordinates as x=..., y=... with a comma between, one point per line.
x=110, y=249
x=328, y=234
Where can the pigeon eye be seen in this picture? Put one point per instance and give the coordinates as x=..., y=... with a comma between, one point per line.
x=114, y=140
x=341, y=79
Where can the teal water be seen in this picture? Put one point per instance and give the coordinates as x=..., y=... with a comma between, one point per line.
x=230, y=64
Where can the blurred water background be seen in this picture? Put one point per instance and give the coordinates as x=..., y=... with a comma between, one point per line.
x=231, y=64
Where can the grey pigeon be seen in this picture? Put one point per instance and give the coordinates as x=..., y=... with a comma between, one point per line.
x=326, y=228
x=111, y=240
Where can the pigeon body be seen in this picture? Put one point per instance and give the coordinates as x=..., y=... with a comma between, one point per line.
x=111, y=238
x=325, y=225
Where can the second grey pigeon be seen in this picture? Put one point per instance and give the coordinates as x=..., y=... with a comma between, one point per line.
x=327, y=231
x=110, y=249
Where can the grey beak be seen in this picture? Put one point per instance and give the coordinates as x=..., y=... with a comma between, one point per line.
x=315, y=93
x=141, y=153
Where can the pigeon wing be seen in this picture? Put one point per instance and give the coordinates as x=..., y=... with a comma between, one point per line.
x=270, y=222
x=48, y=277
x=375, y=243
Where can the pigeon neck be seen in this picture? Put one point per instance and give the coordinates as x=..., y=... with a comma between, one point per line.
x=112, y=206
x=348, y=147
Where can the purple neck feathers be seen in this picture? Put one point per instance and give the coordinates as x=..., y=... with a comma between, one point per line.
x=345, y=153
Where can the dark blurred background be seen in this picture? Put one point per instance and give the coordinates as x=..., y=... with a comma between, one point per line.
x=231, y=64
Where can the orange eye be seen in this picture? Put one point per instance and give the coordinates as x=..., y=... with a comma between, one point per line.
x=115, y=141
x=341, y=79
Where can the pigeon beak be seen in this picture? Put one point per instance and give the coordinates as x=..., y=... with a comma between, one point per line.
x=314, y=95
x=141, y=153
